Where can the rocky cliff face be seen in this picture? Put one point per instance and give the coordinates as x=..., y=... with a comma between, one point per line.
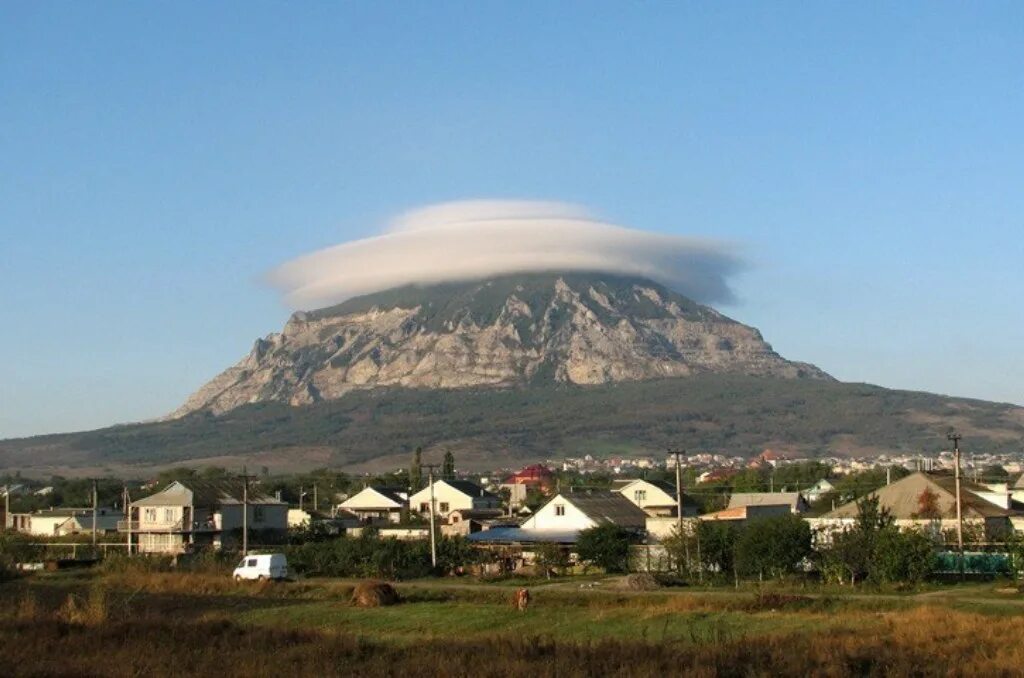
x=572, y=328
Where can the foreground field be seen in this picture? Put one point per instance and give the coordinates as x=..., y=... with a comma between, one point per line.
x=170, y=624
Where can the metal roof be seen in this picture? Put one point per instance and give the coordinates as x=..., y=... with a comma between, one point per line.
x=517, y=535
x=903, y=498
x=607, y=507
x=204, y=493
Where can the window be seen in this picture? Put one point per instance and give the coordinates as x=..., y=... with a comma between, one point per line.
x=251, y=563
x=150, y=515
x=257, y=514
x=168, y=515
x=640, y=495
x=559, y=509
x=444, y=507
x=424, y=507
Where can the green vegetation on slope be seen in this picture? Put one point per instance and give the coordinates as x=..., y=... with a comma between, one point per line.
x=727, y=413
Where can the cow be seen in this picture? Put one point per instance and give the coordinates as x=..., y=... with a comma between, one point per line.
x=521, y=600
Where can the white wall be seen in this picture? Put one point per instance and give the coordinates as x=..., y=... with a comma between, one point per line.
x=547, y=518
x=448, y=499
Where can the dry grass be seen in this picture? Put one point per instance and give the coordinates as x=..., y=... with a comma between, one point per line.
x=187, y=624
x=920, y=642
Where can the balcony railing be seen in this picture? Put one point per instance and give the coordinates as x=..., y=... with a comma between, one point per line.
x=171, y=526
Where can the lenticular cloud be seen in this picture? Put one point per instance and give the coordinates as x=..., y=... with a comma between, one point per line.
x=480, y=238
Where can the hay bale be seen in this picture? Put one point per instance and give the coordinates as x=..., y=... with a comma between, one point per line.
x=374, y=594
x=642, y=581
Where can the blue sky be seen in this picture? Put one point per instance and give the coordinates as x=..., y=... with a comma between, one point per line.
x=157, y=159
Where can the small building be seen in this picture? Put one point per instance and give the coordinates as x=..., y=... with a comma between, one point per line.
x=818, y=490
x=534, y=475
x=794, y=500
x=656, y=498
x=453, y=495
x=462, y=522
x=743, y=514
x=377, y=505
x=46, y=522
x=195, y=513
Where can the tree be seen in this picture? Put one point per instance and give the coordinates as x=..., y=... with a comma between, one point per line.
x=928, y=505
x=448, y=466
x=874, y=548
x=717, y=547
x=907, y=557
x=606, y=546
x=550, y=557
x=994, y=473
x=415, y=470
x=773, y=546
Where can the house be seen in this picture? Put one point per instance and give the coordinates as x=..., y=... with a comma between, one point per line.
x=451, y=495
x=656, y=497
x=45, y=523
x=928, y=500
x=534, y=475
x=107, y=520
x=377, y=505
x=818, y=490
x=745, y=513
x=562, y=519
x=195, y=513
x=462, y=522
x=794, y=500
x=575, y=511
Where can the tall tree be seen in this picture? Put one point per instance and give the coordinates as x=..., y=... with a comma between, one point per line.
x=448, y=467
x=415, y=472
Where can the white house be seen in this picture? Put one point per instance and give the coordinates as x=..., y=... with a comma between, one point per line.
x=377, y=504
x=572, y=512
x=451, y=495
x=818, y=490
x=656, y=497
x=48, y=522
x=192, y=513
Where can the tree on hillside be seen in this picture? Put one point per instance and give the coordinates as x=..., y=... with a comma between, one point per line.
x=448, y=466
x=606, y=546
x=415, y=470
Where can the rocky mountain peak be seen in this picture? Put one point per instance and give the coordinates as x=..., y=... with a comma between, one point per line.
x=573, y=328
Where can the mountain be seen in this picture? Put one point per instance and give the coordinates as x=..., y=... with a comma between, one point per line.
x=512, y=370
x=578, y=328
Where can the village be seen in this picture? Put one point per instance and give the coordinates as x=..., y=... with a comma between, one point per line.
x=511, y=519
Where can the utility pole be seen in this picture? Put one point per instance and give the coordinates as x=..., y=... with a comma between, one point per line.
x=95, y=500
x=679, y=490
x=126, y=506
x=315, y=497
x=245, y=514
x=433, y=537
x=955, y=437
x=679, y=513
x=302, y=494
x=7, y=506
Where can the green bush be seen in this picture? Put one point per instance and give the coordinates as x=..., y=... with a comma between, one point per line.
x=605, y=546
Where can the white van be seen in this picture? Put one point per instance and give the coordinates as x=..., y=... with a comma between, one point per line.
x=262, y=566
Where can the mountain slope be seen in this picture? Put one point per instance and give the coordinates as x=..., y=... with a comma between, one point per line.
x=511, y=330
x=487, y=427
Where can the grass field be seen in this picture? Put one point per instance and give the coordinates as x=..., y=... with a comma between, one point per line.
x=169, y=623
